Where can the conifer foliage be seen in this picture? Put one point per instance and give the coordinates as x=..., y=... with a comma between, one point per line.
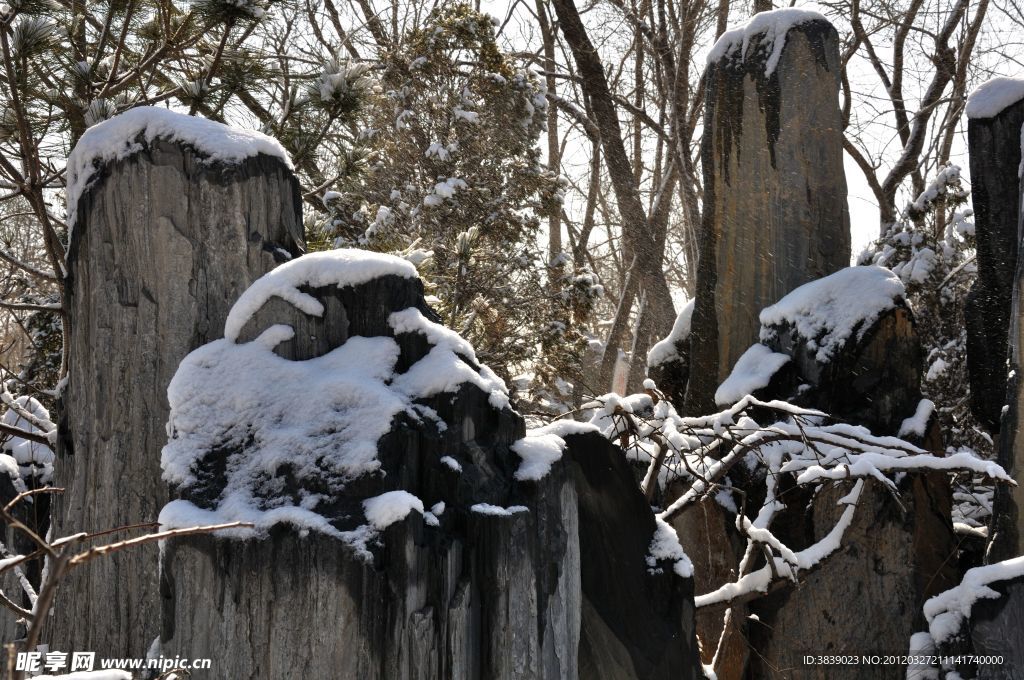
x=447, y=168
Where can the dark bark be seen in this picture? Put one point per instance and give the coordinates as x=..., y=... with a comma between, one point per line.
x=643, y=236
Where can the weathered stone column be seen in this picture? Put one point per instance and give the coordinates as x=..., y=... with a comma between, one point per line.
x=995, y=113
x=1007, y=535
x=775, y=213
x=849, y=348
x=996, y=624
x=172, y=218
x=412, y=530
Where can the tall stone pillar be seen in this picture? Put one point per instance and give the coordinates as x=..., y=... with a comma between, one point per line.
x=775, y=213
x=993, y=136
x=172, y=217
x=995, y=354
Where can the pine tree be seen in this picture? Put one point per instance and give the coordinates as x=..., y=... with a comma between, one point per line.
x=448, y=169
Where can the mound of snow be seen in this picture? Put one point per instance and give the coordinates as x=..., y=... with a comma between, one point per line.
x=665, y=349
x=393, y=506
x=267, y=440
x=993, y=96
x=753, y=371
x=341, y=268
x=497, y=510
x=947, y=611
x=32, y=457
x=124, y=135
x=539, y=452
x=827, y=312
x=319, y=419
x=773, y=26
x=665, y=546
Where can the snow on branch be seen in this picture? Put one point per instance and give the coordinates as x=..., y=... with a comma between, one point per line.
x=800, y=442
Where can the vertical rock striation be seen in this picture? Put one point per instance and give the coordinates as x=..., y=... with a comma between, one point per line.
x=1000, y=280
x=172, y=218
x=775, y=213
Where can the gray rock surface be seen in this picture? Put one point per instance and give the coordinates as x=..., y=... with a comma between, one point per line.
x=866, y=598
x=775, y=212
x=994, y=145
x=163, y=245
x=560, y=589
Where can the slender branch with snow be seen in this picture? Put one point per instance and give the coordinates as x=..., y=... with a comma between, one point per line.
x=798, y=442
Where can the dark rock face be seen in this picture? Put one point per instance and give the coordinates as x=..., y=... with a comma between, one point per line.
x=775, y=214
x=868, y=597
x=989, y=644
x=997, y=629
x=1007, y=530
x=551, y=581
x=635, y=624
x=708, y=534
x=995, y=156
x=33, y=512
x=1000, y=286
x=874, y=382
x=164, y=242
x=672, y=375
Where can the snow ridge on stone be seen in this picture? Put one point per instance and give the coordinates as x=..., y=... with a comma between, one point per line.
x=343, y=267
x=753, y=371
x=829, y=310
x=990, y=98
x=125, y=134
x=773, y=25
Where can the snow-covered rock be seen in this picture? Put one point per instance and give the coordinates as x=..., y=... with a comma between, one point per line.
x=830, y=311
x=772, y=122
x=947, y=611
x=126, y=134
x=174, y=216
x=993, y=96
x=295, y=434
x=33, y=458
x=333, y=452
x=771, y=27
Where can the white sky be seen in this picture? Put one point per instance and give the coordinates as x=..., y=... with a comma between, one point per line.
x=862, y=204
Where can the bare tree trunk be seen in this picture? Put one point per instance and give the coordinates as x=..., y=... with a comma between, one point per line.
x=643, y=239
x=722, y=21
x=547, y=33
